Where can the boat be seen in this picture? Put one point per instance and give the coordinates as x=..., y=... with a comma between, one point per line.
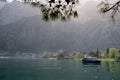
x=117, y=60
x=91, y=60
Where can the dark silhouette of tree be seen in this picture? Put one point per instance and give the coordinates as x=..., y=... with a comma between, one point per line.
x=113, y=8
x=56, y=9
x=107, y=51
x=97, y=53
x=65, y=9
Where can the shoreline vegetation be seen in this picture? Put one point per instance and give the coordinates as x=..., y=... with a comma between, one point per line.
x=80, y=59
x=111, y=54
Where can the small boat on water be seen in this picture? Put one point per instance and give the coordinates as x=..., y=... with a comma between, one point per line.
x=91, y=60
x=117, y=60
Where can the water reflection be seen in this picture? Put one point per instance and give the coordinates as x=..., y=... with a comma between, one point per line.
x=88, y=66
x=107, y=66
x=113, y=66
x=55, y=9
x=43, y=69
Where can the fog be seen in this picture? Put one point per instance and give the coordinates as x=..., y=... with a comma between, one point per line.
x=22, y=29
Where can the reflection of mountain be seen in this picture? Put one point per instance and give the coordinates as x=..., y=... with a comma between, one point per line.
x=26, y=32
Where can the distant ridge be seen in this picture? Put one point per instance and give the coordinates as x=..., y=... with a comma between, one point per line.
x=15, y=11
x=32, y=34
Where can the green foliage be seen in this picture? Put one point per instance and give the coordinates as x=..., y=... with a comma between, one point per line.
x=117, y=56
x=113, y=53
x=104, y=55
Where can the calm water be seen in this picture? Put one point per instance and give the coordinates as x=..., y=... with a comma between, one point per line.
x=43, y=69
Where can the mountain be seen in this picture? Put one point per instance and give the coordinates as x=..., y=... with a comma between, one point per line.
x=15, y=11
x=33, y=34
x=2, y=3
x=22, y=29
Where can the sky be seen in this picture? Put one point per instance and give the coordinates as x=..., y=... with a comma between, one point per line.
x=82, y=1
x=9, y=0
x=81, y=8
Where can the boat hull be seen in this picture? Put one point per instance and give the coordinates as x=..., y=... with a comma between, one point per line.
x=90, y=61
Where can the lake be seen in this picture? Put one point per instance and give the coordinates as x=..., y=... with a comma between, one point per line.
x=44, y=69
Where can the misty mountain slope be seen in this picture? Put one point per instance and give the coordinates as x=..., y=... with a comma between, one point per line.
x=33, y=34
x=1, y=4
x=22, y=29
x=33, y=31
x=15, y=11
